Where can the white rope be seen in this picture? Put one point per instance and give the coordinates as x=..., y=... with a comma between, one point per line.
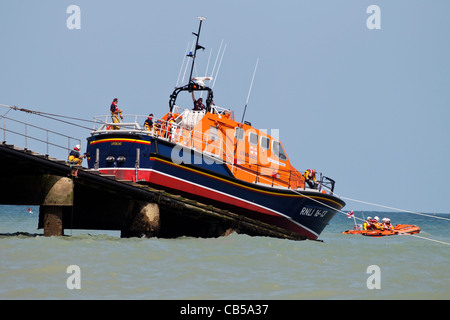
x=387, y=207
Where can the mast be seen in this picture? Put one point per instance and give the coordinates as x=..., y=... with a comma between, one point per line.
x=197, y=46
x=192, y=85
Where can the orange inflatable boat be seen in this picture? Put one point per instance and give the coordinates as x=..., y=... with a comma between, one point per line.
x=398, y=229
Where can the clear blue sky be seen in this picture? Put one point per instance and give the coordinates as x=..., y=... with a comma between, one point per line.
x=368, y=108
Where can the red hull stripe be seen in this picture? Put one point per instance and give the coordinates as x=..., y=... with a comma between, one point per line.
x=173, y=182
x=322, y=199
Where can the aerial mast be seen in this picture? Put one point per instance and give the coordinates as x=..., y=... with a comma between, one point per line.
x=194, y=83
x=197, y=46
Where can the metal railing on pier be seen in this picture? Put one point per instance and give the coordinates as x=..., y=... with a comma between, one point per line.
x=45, y=137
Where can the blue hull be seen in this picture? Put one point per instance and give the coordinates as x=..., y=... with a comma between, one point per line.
x=166, y=165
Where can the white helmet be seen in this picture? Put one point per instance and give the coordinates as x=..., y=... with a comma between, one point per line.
x=78, y=146
x=376, y=218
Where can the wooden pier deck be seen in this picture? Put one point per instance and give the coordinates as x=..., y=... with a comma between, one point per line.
x=74, y=197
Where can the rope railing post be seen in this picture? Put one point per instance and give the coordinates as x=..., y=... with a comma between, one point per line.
x=48, y=150
x=26, y=136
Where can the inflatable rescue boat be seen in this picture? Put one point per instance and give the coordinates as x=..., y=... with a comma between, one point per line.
x=398, y=229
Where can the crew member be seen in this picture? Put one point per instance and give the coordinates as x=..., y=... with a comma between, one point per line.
x=198, y=104
x=170, y=126
x=377, y=224
x=115, y=112
x=387, y=224
x=367, y=225
x=310, y=178
x=75, y=157
x=148, y=124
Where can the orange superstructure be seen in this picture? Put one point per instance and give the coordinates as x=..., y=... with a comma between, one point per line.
x=251, y=155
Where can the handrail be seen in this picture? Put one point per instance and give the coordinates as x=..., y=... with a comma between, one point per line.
x=98, y=119
x=47, y=131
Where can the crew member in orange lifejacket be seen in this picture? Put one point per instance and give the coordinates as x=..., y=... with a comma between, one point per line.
x=168, y=130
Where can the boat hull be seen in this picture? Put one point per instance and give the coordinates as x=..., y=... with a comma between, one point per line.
x=203, y=178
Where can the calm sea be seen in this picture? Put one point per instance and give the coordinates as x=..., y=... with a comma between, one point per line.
x=236, y=267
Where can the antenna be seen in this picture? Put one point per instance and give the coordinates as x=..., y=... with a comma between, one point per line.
x=187, y=63
x=251, y=85
x=207, y=67
x=182, y=64
x=220, y=63
x=243, y=115
x=217, y=57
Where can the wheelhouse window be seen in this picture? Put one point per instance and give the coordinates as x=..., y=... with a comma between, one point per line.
x=265, y=143
x=253, y=138
x=213, y=133
x=239, y=134
x=278, y=150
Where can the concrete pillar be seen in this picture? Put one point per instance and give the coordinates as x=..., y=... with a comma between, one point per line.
x=58, y=197
x=143, y=221
x=53, y=220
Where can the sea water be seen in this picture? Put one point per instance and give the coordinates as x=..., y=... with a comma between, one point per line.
x=237, y=267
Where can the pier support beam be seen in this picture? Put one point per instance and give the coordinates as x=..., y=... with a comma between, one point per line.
x=58, y=198
x=143, y=220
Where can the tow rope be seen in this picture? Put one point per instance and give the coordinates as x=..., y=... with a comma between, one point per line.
x=48, y=115
x=396, y=209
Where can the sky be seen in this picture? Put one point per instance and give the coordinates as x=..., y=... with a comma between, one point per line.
x=368, y=107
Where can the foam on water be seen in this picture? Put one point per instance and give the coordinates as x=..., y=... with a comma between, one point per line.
x=233, y=267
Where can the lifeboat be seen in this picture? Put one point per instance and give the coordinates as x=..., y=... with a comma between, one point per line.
x=398, y=229
x=204, y=153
